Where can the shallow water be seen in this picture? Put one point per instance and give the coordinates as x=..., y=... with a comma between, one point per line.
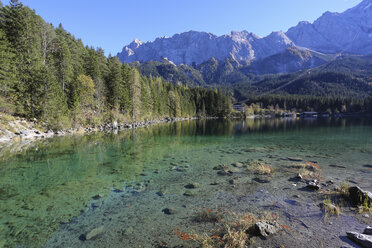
x=47, y=192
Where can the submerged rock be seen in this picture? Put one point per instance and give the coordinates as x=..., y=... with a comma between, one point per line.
x=220, y=167
x=189, y=193
x=360, y=196
x=98, y=196
x=361, y=239
x=295, y=159
x=169, y=211
x=237, y=165
x=192, y=186
x=222, y=173
x=260, y=180
x=337, y=166
x=92, y=234
x=267, y=228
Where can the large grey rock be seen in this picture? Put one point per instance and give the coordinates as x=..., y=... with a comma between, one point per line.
x=267, y=228
x=361, y=239
x=360, y=196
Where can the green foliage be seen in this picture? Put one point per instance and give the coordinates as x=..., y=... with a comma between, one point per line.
x=46, y=73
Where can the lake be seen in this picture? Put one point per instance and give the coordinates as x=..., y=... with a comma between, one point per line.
x=147, y=187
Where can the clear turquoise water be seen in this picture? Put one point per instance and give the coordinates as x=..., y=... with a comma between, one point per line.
x=52, y=181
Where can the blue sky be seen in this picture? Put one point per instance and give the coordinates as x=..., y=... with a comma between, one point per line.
x=115, y=23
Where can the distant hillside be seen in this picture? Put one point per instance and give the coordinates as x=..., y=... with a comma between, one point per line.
x=343, y=76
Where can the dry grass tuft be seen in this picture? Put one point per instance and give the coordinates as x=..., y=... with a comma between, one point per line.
x=235, y=230
x=260, y=168
x=330, y=208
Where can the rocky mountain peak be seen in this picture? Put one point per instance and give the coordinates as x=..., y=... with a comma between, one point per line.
x=196, y=47
x=347, y=32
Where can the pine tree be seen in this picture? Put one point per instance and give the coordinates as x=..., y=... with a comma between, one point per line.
x=113, y=81
x=63, y=59
x=8, y=74
x=135, y=86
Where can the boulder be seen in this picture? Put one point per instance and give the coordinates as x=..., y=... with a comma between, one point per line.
x=360, y=196
x=267, y=228
x=313, y=185
x=368, y=230
x=361, y=239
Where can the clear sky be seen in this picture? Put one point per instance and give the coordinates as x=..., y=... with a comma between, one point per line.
x=111, y=24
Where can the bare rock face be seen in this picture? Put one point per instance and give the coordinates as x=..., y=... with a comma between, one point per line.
x=350, y=31
x=347, y=32
x=198, y=47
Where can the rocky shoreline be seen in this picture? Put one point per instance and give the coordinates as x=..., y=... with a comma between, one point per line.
x=21, y=130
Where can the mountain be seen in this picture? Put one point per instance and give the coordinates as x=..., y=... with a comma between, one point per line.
x=345, y=76
x=342, y=76
x=347, y=32
x=290, y=60
x=229, y=71
x=197, y=47
x=304, y=46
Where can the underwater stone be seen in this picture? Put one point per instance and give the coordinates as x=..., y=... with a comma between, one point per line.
x=220, y=167
x=237, y=164
x=222, y=173
x=192, y=186
x=295, y=159
x=189, y=193
x=169, y=211
x=96, y=197
x=94, y=233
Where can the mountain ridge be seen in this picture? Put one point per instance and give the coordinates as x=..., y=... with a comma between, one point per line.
x=348, y=32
